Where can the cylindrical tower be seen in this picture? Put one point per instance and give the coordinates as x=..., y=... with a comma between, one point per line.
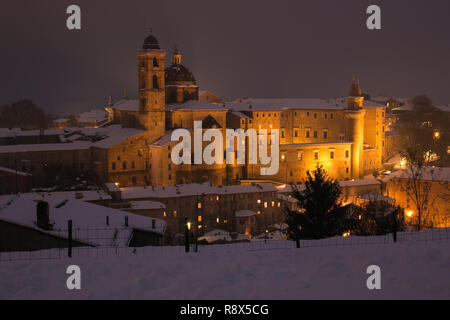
x=354, y=115
x=355, y=132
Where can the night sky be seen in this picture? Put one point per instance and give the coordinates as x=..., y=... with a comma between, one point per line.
x=308, y=48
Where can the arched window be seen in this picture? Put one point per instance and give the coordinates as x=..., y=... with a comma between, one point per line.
x=155, y=62
x=155, y=82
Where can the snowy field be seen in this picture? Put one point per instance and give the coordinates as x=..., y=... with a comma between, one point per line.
x=409, y=270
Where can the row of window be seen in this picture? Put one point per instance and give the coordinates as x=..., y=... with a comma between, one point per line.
x=308, y=114
x=308, y=134
x=316, y=155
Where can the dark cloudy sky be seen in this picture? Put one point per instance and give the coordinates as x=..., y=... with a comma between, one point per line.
x=253, y=48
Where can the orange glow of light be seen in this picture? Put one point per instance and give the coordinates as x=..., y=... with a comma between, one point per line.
x=409, y=213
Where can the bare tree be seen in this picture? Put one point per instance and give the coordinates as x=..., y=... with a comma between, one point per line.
x=417, y=185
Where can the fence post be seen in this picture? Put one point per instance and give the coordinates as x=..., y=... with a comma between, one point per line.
x=69, y=228
x=186, y=236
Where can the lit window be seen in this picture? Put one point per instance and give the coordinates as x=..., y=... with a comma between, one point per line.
x=174, y=213
x=199, y=218
x=218, y=220
x=273, y=203
x=265, y=204
x=279, y=204
x=258, y=201
x=199, y=205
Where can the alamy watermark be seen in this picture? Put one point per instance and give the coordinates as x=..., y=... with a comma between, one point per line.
x=213, y=153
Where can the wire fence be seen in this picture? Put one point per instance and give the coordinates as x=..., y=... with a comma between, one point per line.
x=103, y=242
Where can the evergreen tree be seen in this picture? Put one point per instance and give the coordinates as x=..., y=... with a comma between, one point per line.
x=320, y=214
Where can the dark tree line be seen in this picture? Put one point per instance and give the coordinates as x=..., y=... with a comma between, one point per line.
x=23, y=114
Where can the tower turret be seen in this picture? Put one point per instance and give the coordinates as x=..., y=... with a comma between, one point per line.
x=355, y=99
x=176, y=56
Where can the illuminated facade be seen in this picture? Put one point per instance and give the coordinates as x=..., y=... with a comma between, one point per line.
x=344, y=135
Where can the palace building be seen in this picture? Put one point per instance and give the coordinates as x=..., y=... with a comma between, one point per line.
x=133, y=146
x=345, y=135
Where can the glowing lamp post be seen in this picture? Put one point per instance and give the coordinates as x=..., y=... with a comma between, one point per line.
x=186, y=234
x=437, y=135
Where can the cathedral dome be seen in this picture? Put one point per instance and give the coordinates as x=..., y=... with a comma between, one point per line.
x=178, y=73
x=150, y=43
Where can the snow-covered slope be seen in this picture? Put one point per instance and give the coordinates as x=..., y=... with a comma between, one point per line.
x=409, y=270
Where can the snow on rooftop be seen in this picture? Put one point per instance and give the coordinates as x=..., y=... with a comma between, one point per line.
x=76, y=145
x=165, y=139
x=80, y=138
x=192, y=189
x=92, y=116
x=17, y=132
x=244, y=213
x=408, y=107
x=126, y=105
x=287, y=198
x=216, y=235
x=261, y=104
x=239, y=114
x=195, y=105
x=429, y=174
x=84, y=195
x=145, y=205
x=344, y=184
x=117, y=136
x=112, y=187
x=84, y=215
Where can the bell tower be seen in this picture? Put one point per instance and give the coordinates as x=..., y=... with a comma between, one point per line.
x=151, y=87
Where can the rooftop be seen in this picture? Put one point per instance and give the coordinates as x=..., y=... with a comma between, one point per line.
x=22, y=211
x=261, y=104
x=76, y=139
x=191, y=190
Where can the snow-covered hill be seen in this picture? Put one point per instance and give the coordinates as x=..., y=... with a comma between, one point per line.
x=409, y=270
